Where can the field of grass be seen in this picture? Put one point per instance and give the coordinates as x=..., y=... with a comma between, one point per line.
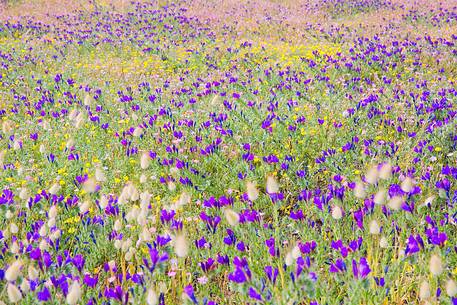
x=228, y=152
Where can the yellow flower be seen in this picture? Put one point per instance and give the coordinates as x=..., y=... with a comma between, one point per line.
x=132, y=269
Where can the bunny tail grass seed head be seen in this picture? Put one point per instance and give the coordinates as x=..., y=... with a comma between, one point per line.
x=436, y=265
x=14, y=294
x=181, y=245
x=386, y=171
x=252, y=191
x=74, y=293
x=372, y=175
x=359, y=190
x=337, y=212
x=151, y=297
x=424, y=290
x=272, y=186
x=451, y=288
x=232, y=217
x=13, y=271
x=375, y=229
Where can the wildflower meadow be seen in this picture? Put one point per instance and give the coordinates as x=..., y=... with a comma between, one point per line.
x=228, y=152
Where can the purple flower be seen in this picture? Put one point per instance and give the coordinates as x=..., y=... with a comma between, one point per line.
x=272, y=273
x=298, y=215
x=189, y=291
x=435, y=237
x=380, y=281
x=90, y=281
x=44, y=295
x=253, y=294
x=414, y=244
x=242, y=272
x=115, y=293
x=338, y=266
x=207, y=265
x=362, y=269
x=238, y=276
x=78, y=261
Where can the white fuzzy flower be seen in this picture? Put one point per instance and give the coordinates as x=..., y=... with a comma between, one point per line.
x=100, y=175
x=383, y=243
x=90, y=185
x=138, y=131
x=42, y=148
x=232, y=217
x=289, y=259
x=117, y=225
x=184, y=199
x=52, y=211
x=395, y=203
x=380, y=196
x=14, y=295
x=337, y=212
x=272, y=185
x=145, y=160
x=171, y=186
x=143, y=178
x=70, y=143
x=13, y=271
x=252, y=191
x=25, y=286
x=386, y=171
x=372, y=175
x=103, y=203
x=87, y=100
x=54, y=189
x=181, y=245
x=74, y=293
x=359, y=190
x=32, y=272
x=296, y=252
x=24, y=194
x=451, y=288
x=43, y=230
x=436, y=266
x=375, y=229
x=2, y=157
x=151, y=297
x=84, y=207
x=14, y=228
x=424, y=290
x=407, y=185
